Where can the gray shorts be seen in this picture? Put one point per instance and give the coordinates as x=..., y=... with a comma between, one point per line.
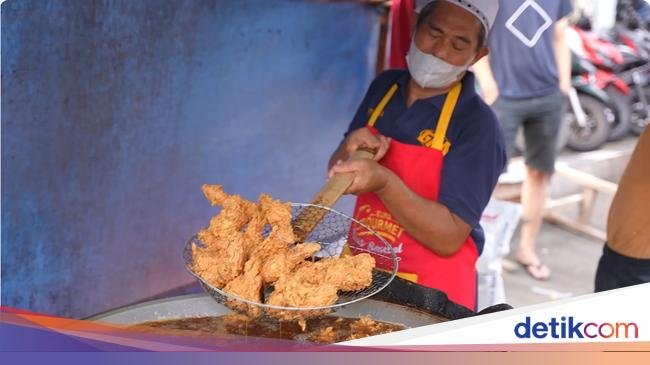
x=541, y=119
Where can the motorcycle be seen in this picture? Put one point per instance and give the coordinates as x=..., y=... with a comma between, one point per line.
x=623, y=72
x=602, y=57
x=638, y=77
x=592, y=110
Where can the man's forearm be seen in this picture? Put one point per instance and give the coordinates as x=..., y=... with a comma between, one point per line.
x=429, y=222
x=562, y=54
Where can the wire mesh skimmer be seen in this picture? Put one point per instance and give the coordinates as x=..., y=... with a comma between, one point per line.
x=333, y=232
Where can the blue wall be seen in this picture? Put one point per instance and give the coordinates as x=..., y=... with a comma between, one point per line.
x=115, y=112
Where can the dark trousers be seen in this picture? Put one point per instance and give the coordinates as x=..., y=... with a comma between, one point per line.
x=617, y=271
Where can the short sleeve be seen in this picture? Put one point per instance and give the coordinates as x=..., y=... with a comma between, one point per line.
x=473, y=165
x=565, y=9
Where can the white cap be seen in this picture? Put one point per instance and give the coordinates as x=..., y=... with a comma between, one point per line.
x=484, y=10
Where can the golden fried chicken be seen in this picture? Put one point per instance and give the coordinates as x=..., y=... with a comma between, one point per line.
x=247, y=286
x=345, y=273
x=300, y=292
x=325, y=335
x=240, y=259
x=283, y=262
x=349, y=272
x=366, y=326
x=254, y=229
x=220, y=262
x=204, y=260
x=278, y=215
x=214, y=194
x=235, y=214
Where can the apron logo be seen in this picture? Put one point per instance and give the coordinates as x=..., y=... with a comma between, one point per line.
x=381, y=222
x=370, y=246
x=426, y=139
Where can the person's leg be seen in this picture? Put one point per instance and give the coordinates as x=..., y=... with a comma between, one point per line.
x=533, y=197
x=541, y=130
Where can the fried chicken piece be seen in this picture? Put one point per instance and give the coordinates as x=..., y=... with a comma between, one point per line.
x=345, y=273
x=235, y=214
x=366, y=326
x=315, y=284
x=268, y=247
x=349, y=272
x=247, y=286
x=284, y=261
x=278, y=215
x=214, y=194
x=300, y=289
x=325, y=335
x=239, y=259
x=203, y=260
x=220, y=262
x=211, y=241
x=254, y=228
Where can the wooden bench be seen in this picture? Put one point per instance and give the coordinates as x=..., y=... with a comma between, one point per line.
x=591, y=187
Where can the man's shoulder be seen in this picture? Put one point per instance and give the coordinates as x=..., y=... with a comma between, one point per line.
x=475, y=108
x=476, y=120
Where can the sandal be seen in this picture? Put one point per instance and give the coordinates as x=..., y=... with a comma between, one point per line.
x=535, y=270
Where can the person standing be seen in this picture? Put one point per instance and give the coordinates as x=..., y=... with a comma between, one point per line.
x=440, y=151
x=626, y=254
x=527, y=82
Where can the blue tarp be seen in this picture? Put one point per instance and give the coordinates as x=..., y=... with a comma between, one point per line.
x=115, y=112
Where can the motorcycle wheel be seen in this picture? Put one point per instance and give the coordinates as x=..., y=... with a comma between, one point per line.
x=622, y=103
x=640, y=115
x=597, y=129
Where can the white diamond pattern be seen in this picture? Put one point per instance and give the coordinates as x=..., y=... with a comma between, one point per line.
x=529, y=42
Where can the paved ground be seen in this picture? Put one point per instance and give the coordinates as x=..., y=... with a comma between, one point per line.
x=571, y=257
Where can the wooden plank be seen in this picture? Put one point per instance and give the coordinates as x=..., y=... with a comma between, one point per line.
x=563, y=201
x=586, y=180
x=587, y=205
x=586, y=229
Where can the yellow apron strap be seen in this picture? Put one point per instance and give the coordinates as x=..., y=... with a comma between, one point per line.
x=445, y=117
x=382, y=104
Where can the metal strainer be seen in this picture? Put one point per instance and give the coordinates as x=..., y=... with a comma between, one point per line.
x=333, y=232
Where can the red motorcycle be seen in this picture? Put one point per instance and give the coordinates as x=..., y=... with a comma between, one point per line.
x=622, y=71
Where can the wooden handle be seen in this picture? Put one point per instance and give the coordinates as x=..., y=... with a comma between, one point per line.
x=328, y=195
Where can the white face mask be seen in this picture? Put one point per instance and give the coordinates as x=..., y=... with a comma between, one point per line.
x=430, y=71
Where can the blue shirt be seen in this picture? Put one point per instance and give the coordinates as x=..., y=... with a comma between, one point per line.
x=521, y=43
x=477, y=155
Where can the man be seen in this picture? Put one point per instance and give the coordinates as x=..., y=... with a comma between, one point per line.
x=626, y=255
x=527, y=82
x=439, y=151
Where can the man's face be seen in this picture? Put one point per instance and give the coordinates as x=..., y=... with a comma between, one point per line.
x=452, y=34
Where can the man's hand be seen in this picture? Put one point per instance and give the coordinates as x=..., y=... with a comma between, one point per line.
x=565, y=86
x=362, y=137
x=369, y=175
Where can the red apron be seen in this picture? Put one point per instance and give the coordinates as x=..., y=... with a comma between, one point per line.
x=420, y=168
